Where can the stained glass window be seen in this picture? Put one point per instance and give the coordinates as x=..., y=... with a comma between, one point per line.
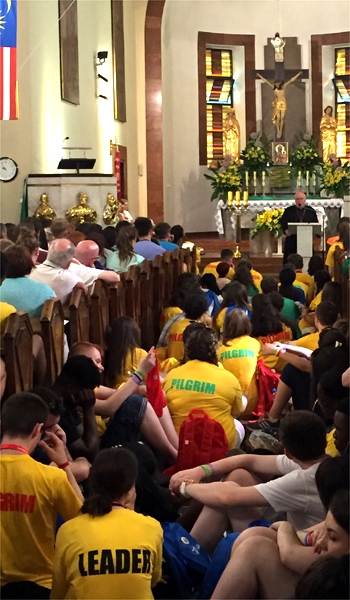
x=219, y=98
x=342, y=100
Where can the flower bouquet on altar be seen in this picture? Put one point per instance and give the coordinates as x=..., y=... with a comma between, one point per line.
x=335, y=177
x=226, y=178
x=268, y=220
x=255, y=157
x=304, y=158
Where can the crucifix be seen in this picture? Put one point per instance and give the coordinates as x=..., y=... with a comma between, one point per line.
x=278, y=79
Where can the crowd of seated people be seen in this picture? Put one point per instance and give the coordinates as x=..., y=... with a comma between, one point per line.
x=85, y=461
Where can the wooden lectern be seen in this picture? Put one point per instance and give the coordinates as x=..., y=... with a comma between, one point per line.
x=305, y=233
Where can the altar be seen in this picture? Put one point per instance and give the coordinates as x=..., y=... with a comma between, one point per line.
x=328, y=210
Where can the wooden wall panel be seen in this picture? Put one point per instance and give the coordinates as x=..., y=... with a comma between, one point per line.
x=118, y=60
x=69, y=58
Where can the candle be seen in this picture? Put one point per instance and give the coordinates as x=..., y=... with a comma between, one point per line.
x=314, y=179
x=246, y=179
x=307, y=178
x=238, y=198
x=254, y=178
x=230, y=199
x=299, y=178
x=263, y=179
x=245, y=198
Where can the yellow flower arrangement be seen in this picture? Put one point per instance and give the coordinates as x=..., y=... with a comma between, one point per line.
x=269, y=220
x=226, y=177
x=335, y=178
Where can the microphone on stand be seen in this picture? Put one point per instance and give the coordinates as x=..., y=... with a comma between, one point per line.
x=66, y=138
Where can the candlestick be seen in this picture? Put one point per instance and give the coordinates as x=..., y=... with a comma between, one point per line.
x=299, y=179
x=247, y=179
x=238, y=198
x=230, y=199
x=245, y=197
x=314, y=181
x=307, y=178
x=254, y=182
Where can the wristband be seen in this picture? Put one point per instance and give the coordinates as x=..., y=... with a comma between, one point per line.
x=139, y=374
x=276, y=351
x=308, y=539
x=279, y=351
x=182, y=489
x=64, y=465
x=207, y=470
x=212, y=468
x=136, y=379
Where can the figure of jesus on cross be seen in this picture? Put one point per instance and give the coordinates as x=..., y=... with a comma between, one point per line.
x=279, y=84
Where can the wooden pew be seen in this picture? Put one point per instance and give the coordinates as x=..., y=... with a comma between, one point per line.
x=52, y=333
x=186, y=258
x=131, y=280
x=79, y=317
x=18, y=353
x=168, y=276
x=146, y=305
x=339, y=259
x=116, y=301
x=99, y=312
x=158, y=292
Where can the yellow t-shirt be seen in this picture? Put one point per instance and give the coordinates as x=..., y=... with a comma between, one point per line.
x=211, y=268
x=275, y=362
x=309, y=341
x=131, y=361
x=198, y=384
x=240, y=357
x=5, y=311
x=330, y=448
x=175, y=347
x=330, y=253
x=299, y=284
x=308, y=281
x=116, y=556
x=168, y=313
x=257, y=278
x=316, y=301
x=32, y=494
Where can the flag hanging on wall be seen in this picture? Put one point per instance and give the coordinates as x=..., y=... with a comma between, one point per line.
x=8, y=60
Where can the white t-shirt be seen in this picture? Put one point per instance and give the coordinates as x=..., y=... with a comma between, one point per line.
x=62, y=281
x=295, y=493
x=87, y=274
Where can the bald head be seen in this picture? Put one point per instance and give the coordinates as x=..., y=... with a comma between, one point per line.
x=61, y=253
x=300, y=199
x=87, y=252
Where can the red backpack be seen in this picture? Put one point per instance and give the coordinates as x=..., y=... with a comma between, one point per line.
x=267, y=384
x=201, y=440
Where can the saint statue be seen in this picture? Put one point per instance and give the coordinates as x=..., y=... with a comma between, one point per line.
x=328, y=128
x=82, y=213
x=280, y=104
x=231, y=135
x=44, y=210
x=111, y=210
x=278, y=45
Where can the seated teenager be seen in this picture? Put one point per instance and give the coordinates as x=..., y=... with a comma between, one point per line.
x=145, y=247
x=32, y=495
x=257, y=277
x=238, y=352
x=195, y=309
x=307, y=323
x=268, y=328
x=212, y=292
x=329, y=394
x=240, y=498
x=162, y=232
x=109, y=551
x=244, y=276
x=290, y=553
x=235, y=297
x=328, y=577
x=278, y=302
x=124, y=351
x=124, y=256
x=288, y=289
x=343, y=243
x=300, y=276
x=200, y=383
x=315, y=264
x=222, y=270
x=226, y=255
x=290, y=309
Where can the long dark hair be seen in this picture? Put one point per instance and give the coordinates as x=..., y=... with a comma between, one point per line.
x=287, y=289
x=244, y=276
x=265, y=317
x=321, y=277
x=124, y=336
x=332, y=291
x=201, y=345
x=209, y=281
x=125, y=239
x=235, y=295
x=187, y=283
x=113, y=473
x=236, y=325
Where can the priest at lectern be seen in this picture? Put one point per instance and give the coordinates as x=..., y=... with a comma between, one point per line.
x=299, y=213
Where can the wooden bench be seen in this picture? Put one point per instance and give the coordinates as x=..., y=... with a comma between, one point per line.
x=79, y=317
x=52, y=333
x=18, y=353
x=99, y=312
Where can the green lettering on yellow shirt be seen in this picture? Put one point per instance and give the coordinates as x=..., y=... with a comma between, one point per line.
x=205, y=387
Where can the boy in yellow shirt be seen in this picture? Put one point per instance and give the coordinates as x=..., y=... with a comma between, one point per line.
x=226, y=255
x=300, y=277
x=195, y=309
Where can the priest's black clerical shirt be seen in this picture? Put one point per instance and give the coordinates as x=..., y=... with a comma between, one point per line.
x=293, y=214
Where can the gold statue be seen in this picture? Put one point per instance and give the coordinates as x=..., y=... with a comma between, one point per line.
x=280, y=103
x=82, y=213
x=278, y=45
x=111, y=211
x=231, y=135
x=328, y=128
x=44, y=210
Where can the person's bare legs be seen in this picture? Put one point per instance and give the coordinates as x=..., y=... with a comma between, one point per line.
x=240, y=517
x=255, y=570
x=154, y=434
x=168, y=426
x=39, y=358
x=254, y=532
x=283, y=395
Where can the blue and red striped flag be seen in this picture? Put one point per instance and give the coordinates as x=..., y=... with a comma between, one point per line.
x=8, y=60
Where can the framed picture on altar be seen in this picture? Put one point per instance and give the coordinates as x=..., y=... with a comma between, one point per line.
x=280, y=153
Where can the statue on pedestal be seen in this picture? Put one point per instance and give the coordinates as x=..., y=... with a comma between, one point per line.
x=111, y=210
x=81, y=213
x=44, y=210
x=231, y=135
x=328, y=128
x=280, y=103
x=278, y=45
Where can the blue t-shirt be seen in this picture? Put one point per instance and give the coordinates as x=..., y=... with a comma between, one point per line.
x=26, y=294
x=114, y=262
x=148, y=250
x=168, y=245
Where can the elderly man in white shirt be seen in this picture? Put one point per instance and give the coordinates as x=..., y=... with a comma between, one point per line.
x=58, y=272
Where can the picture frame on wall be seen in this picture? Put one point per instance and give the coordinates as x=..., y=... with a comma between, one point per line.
x=280, y=153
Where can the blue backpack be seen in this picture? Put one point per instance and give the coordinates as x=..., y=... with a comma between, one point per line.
x=185, y=563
